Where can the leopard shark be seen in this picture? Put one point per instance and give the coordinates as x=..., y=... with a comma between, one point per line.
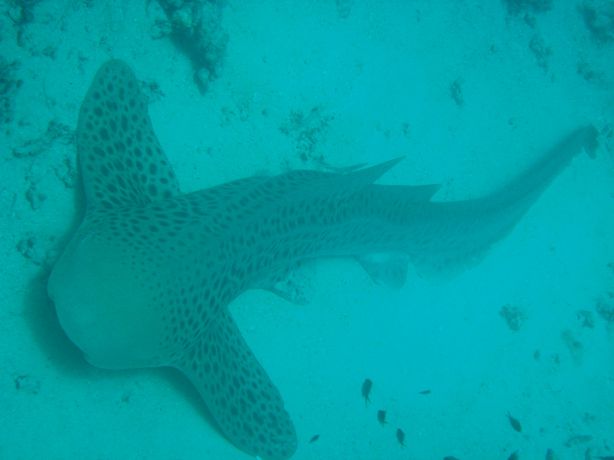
x=148, y=276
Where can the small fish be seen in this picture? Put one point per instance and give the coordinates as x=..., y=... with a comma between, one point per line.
x=605, y=457
x=425, y=392
x=514, y=422
x=401, y=437
x=550, y=454
x=366, y=390
x=314, y=438
x=513, y=456
x=450, y=457
x=578, y=439
x=381, y=417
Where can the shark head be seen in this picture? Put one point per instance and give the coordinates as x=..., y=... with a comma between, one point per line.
x=144, y=280
x=103, y=310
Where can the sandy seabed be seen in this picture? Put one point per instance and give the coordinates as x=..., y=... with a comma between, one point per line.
x=469, y=92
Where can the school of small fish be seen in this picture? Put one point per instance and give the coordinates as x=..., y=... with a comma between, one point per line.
x=515, y=424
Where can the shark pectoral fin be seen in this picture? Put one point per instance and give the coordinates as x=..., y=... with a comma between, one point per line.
x=238, y=393
x=387, y=269
x=120, y=157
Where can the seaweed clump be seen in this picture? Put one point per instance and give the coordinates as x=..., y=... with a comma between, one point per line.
x=21, y=12
x=308, y=131
x=541, y=51
x=9, y=84
x=605, y=307
x=518, y=7
x=195, y=26
x=514, y=317
x=599, y=19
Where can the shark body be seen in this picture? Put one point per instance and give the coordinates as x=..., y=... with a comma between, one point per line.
x=147, y=278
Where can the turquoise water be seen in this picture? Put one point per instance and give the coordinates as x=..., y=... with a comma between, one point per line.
x=470, y=94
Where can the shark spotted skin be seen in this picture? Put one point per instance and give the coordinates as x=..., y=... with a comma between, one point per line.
x=148, y=276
